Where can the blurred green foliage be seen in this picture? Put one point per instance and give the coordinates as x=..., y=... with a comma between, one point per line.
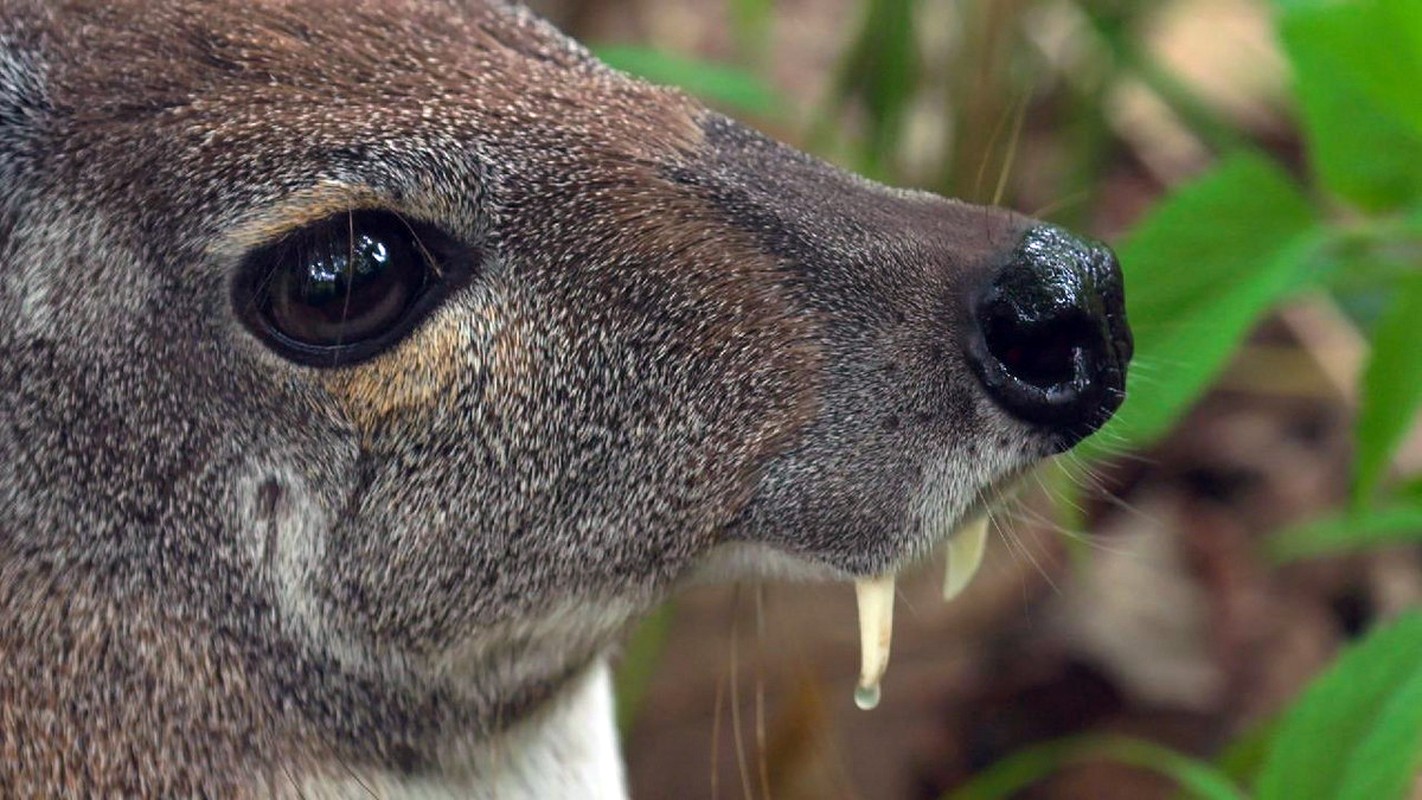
x=1356, y=733
x=1200, y=271
x=1028, y=766
x=730, y=87
x=1213, y=258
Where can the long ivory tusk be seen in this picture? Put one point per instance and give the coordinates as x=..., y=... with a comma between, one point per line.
x=876, y=629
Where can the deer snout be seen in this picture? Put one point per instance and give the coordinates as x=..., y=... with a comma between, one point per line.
x=1050, y=342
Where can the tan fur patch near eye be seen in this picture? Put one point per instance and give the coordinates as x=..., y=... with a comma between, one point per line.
x=415, y=377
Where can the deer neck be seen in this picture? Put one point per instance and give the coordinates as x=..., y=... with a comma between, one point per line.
x=565, y=750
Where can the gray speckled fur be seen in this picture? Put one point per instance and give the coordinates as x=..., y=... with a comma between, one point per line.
x=219, y=569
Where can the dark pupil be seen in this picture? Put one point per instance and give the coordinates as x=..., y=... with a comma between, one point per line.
x=344, y=289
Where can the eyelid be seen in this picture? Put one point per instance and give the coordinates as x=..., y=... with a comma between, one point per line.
x=301, y=209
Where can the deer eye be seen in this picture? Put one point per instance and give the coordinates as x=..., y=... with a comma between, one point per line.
x=344, y=289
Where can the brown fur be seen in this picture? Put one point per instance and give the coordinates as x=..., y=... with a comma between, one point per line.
x=223, y=572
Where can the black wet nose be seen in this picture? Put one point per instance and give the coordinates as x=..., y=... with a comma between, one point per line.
x=1052, y=343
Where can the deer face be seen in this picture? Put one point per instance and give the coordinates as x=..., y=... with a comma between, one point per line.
x=446, y=349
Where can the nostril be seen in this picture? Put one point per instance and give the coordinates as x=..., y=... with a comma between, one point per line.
x=1051, y=343
x=1043, y=353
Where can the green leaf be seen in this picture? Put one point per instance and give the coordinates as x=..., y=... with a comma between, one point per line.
x=715, y=83
x=1392, y=388
x=1349, y=532
x=1386, y=762
x=1357, y=730
x=1200, y=271
x=1245, y=756
x=1356, y=66
x=1411, y=491
x=1028, y=766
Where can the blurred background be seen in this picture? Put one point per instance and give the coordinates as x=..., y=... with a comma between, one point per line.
x=1214, y=597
